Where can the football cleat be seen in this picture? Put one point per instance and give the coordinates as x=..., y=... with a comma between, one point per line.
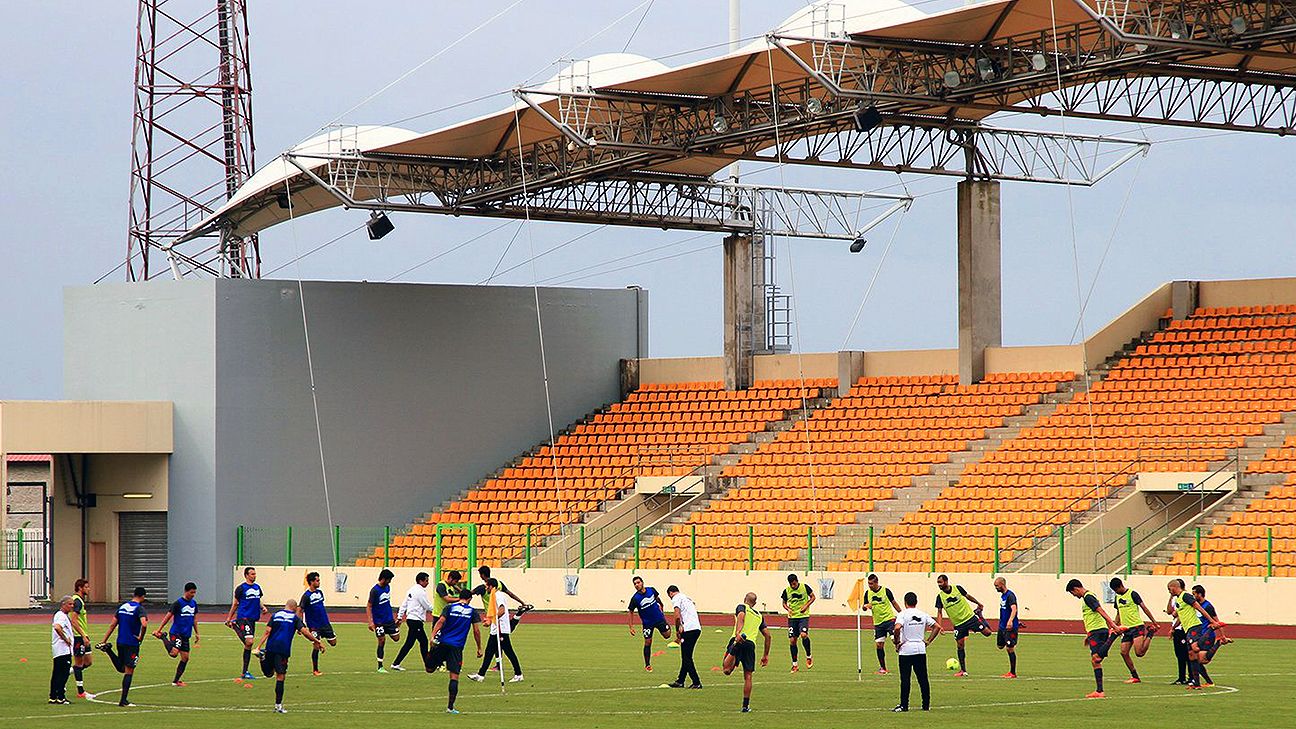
x=960, y=674
x=882, y=672
x=397, y=667
x=1010, y=674
x=1133, y=680
x=809, y=662
x=516, y=678
x=476, y=677
x=1095, y=695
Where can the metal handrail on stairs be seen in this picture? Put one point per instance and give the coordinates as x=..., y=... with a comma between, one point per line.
x=1129, y=546
x=1027, y=544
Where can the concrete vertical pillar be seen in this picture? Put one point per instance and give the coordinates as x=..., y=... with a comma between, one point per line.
x=850, y=367
x=980, y=314
x=739, y=307
x=1183, y=299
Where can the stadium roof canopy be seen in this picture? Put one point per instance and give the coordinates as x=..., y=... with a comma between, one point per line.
x=1225, y=64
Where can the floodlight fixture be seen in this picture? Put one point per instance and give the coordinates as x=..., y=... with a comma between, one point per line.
x=1239, y=25
x=951, y=79
x=1039, y=62
x=379, y=225
x=814, y=105
x=867, y=118
x=720, y=125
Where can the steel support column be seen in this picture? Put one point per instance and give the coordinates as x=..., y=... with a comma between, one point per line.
x=740, y=306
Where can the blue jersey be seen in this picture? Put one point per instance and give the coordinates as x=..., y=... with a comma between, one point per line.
x=183, y=614
x=1006, y=601
x=312, y=604
x=249, y=601
x=459, y=617
x=1207, y=631
x=380, y=604
x=650, y=613
x=130, y=623
x=283, y=626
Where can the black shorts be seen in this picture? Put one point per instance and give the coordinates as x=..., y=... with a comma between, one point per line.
x=81, y=646
x=324, y=632
x=387, y=629
x=1131, y=634
x=1006, y=638
x=972, y=625
x=449, y=656
x=246, y=628
x=798, y=626
x=128, y=655
x=883, y=631
x=744, y=653
x=1099, y=642
x=1204, y=638
x=178, y=642
x=661, y=627
x=272, y=663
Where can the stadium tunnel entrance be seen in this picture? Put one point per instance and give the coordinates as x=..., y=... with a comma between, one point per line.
x=104, y=483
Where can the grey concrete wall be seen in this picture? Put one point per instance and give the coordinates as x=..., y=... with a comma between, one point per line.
x=422, y=390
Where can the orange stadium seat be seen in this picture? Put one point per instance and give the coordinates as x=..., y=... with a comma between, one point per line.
x=658, y=430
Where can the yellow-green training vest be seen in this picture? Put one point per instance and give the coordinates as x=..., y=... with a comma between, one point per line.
x=751, y=623
x=880, y=605
x=1188, y=617
x=439, y=603
x=79, y=604
x=956, y=606
x=1127, y=611
x=1092, y=620
x=798, y=601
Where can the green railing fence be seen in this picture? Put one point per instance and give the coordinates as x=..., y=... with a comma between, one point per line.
x=749, y=547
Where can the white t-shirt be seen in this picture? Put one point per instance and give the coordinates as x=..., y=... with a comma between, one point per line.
x=501, y=622
x=913, y=631
x=416, y=604
x=688, y=612
x=59, y=646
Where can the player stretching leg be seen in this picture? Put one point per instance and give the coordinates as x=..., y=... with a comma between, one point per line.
x=280, y=630
x=742, y=647
x=378, y=611
x=1210, y=638
x=500, y=628
x=449, y=635
x=183, y=617
x=244, y=612
x=130, y=622
x=1099, y=630
x=648, y=604
x=954, y=600
x=82, y=645
x=879, y=601
x=313, y=613
x=1009, y=624
x=797, y=599
x=1138, y=635
x=1194, y=621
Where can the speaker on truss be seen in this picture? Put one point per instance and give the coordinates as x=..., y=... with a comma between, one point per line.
x=379, y=225
x=866, y=118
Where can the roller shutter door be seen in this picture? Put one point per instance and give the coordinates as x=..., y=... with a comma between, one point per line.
x=142, y=554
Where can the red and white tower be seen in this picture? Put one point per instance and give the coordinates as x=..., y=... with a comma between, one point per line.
x=192, y=144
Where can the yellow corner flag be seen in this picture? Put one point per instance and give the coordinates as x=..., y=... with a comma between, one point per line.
x=856, y=599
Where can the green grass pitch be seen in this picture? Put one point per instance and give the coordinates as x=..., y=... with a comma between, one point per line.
x=592, y=676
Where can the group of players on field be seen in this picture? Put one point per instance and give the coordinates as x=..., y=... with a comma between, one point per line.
x=449, y=603
x=1196, y=628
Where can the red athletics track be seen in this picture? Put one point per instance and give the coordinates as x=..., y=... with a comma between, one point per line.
x=1063, y=627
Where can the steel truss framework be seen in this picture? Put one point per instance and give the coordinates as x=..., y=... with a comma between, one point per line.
x=192, y=139
x=1147, y=62
x=665, y=201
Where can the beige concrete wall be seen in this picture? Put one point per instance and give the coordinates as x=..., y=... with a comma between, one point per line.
x=1062, y=358
x=108, y=477
x=911, y=362
x=1257, y=292
x=793, y=367
x=45, y=426
x=681, y=369
x=1250, y=600
x=1141, y=317
x=15, y=588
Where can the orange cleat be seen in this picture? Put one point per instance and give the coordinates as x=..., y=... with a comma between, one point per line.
x=1010, y=674
x=882, y=672
x=648, y=669
x=794, y=668
x=809, y=662
x=316, y=673
x=1133, y=680
x=960, y=674
x=1095, y=695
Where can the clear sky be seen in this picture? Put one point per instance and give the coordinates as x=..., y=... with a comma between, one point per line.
x=1219, y=206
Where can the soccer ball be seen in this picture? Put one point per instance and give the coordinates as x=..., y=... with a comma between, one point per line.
x=952, y=664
